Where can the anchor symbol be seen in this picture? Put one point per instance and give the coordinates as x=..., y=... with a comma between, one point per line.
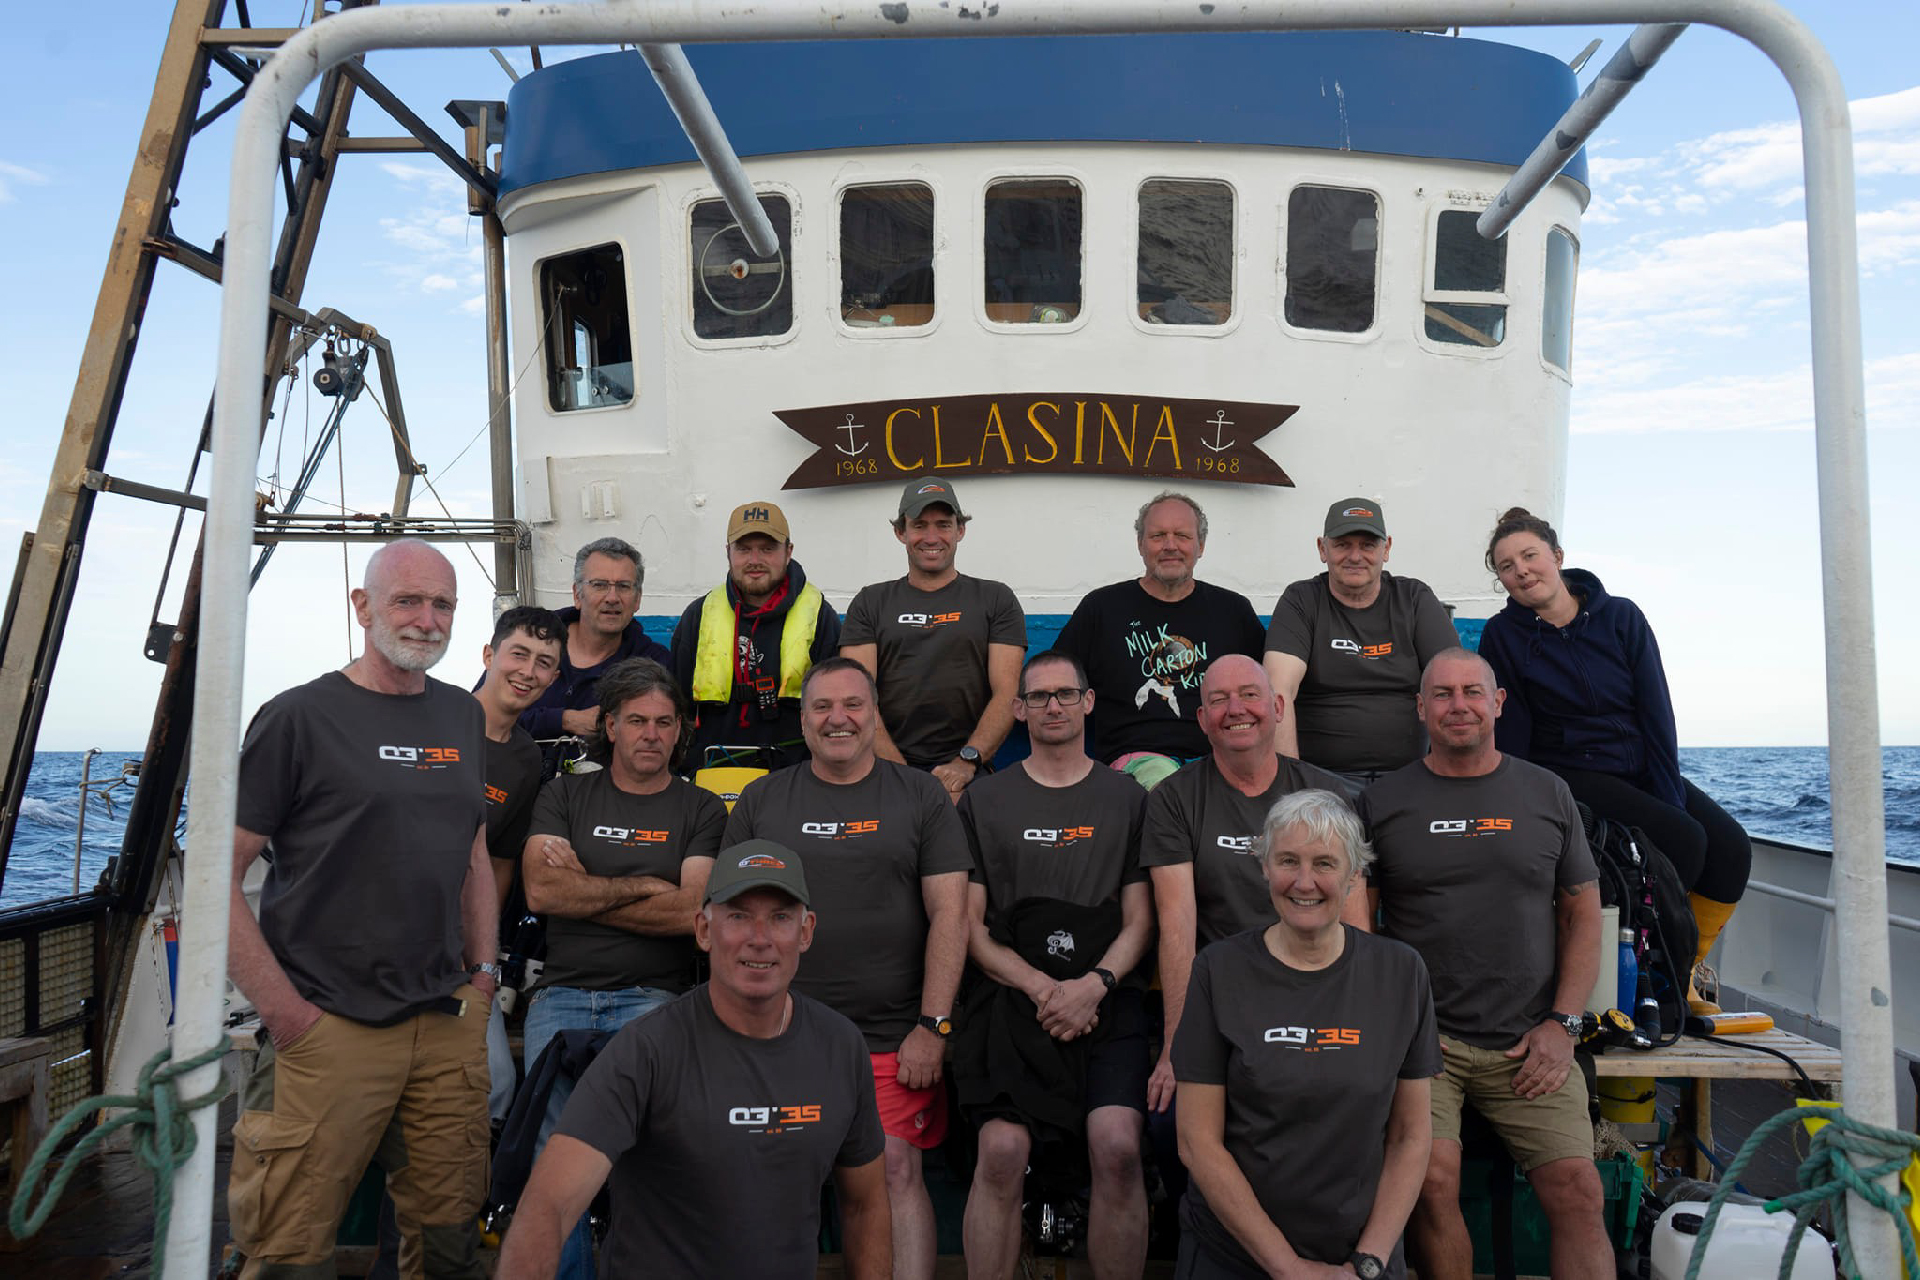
x=1219, y=422
x=850, y=428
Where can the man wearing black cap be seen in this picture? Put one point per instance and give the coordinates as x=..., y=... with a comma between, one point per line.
x=741, y=649
x=1345, y=651
x=720, y=1117
x=945, y=649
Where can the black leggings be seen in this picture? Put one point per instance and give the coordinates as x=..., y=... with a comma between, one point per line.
x=1708, y=849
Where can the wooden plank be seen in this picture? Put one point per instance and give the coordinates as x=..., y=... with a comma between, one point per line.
x=19, y=1048
x=1707, y=1059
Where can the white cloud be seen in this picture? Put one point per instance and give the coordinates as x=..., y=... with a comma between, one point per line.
x=16, y=173
x=438, y=283
x=1775, y=401
x=1886, y=140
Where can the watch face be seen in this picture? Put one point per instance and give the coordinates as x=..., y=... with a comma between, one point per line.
x=1368, y=1267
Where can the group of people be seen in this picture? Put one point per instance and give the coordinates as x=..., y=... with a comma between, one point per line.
x=1299, y=833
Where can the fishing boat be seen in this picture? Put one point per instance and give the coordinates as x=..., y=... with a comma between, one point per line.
x=1062, y=259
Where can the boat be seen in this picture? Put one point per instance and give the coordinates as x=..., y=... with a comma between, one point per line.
x=1253, y=264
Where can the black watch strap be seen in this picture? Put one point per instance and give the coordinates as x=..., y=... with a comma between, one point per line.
x=942, y=1027
x=1366, y=1266
x=1105, y=975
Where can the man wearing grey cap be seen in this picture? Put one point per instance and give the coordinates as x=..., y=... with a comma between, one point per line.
x=720, y=1117
x=1345, y=650
x=944, y=648
x=741, y=650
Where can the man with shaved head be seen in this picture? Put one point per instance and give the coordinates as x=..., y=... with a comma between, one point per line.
x=1481, y=865
x=371, y=962
x=1197, y=843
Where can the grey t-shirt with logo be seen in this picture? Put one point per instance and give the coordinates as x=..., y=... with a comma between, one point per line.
x=1310, y=1061
x=932, y=657
x=1198, y=817
x=1078, y=844
x=720, y=1142
x=1467, y=870
x=370, y=802
x=866, y=846
x=1355, y=711
x=618, y=833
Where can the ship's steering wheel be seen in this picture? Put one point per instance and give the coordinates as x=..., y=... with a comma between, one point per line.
x=737, y=267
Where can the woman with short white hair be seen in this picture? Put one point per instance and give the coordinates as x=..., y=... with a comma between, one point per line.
x=1304, y=1061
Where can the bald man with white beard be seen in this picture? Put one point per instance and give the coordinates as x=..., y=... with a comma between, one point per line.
x=371, y=962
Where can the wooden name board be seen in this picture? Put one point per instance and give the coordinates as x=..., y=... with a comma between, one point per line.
x=1047, y=432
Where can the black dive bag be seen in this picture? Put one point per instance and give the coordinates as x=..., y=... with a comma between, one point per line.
x=1637, y=878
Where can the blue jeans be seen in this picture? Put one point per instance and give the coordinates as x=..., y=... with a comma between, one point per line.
x=556, y=1009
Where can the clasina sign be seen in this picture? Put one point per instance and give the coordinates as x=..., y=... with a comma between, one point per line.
x=1054, y=433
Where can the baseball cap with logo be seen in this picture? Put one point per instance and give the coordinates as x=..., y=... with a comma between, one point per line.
x=1355, y=515
x=925, y=492
x=756, y=864
x=758, y=517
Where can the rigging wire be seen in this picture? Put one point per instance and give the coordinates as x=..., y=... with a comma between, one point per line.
x=346, y=574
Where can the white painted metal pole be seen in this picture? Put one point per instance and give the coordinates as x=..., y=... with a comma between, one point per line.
x=1626, y=68
x=674, y=74
x=1839, y=420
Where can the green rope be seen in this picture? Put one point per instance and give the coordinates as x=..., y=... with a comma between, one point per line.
x=1826, y=1176
x=162, y=1141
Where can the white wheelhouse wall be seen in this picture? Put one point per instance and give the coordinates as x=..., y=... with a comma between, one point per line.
x=1853, y=727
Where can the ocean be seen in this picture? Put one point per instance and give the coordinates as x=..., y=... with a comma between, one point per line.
x=1773, y=791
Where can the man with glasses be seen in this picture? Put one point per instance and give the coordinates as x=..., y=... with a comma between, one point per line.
x=1058, y=915
x=601, y=631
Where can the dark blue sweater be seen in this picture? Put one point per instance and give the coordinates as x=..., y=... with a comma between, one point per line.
x=1590, y=695
x=577, y=688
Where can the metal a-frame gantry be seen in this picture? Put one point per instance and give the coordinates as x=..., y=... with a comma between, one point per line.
x=198, y=46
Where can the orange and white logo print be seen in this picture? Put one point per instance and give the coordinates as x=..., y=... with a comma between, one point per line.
x=631, y=836
x=1381, y=650
x=840, y=830
x=1314, y=1039
x=1056, y=837
x=421, y=757
x=1469, y=827
x=928, y=619
x=774, y=1119
x=763, y=860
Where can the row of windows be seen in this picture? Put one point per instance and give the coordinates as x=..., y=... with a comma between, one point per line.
x=1031, y=259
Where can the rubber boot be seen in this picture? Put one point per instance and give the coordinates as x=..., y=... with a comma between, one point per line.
x=1712, y=917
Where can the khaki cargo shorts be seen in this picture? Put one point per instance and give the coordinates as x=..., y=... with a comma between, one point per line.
x=1536, y=1131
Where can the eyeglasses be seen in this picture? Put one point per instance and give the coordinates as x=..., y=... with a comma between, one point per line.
x=602, y=586
x=1036, y=699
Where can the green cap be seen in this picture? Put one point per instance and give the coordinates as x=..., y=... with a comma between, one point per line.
x=756, y=864
x=1355, y=515
x=925, y=492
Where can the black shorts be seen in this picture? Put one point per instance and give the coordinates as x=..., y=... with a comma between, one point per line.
x=1118, y=1058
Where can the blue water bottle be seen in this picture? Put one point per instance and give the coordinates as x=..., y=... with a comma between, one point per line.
x=1629, y=974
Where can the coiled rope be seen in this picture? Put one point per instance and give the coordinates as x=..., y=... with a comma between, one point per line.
x=1825, y=1177
x=163, y=1140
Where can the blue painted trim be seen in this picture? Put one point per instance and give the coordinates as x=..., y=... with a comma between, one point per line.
x=1386, y=93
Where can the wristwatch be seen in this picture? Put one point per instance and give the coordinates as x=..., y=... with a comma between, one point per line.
x=1569, y=1022
x=487, y=967
x=1366, y=1266
x=971, y=754
x=1105, y=975
x=942, y=1027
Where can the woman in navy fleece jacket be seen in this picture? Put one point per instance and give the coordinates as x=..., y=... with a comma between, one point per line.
x=1587, y=698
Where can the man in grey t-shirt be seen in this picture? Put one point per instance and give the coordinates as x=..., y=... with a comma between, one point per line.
x=887, y=860
x=1059, y=827
x=1482, y=867
x=377, y=911
x=720, y=1116
x=1346, y=650
x=943, y=648
x=1197, y=844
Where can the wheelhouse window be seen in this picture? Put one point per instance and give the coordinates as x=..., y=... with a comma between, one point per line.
x=1466, y=304
x=1556, y=328
x=1333, y=259
x=1032, y=251
x=587, y=335
x=1185, y=261
x=737, y=293
x=886, y=255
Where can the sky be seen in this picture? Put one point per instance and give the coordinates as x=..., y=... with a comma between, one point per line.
x=1690, y=485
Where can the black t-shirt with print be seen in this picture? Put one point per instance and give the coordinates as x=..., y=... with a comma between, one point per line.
x=1310, y=1061
x=720, y=1142
x=866, y=846
x=932, y=657
x=618, y=833
x=1144, y=659
x=1197, y=816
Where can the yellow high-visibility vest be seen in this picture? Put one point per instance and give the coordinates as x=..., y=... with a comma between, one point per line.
x=713, y=657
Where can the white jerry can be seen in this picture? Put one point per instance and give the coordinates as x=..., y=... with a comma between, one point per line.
x=1748, y=1244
